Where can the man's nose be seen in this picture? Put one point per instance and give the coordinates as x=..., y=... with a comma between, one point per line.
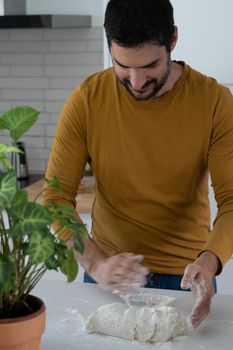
x=137, y=79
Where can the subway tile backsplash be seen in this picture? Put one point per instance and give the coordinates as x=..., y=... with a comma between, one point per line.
x=40, y=67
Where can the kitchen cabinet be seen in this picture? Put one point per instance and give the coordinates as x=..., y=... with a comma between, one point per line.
x=94, y=8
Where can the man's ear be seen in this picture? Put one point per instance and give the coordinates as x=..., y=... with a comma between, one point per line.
x=174, y=38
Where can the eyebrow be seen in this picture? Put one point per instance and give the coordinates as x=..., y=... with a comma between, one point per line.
x=146, y=66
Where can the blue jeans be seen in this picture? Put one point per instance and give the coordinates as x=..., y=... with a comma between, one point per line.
x=158, y=280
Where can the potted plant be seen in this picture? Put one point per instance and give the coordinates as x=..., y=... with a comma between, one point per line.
x=28, y=245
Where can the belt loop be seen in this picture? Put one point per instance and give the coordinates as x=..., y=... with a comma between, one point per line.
x=151, y=278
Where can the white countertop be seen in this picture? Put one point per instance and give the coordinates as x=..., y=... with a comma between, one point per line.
x=69, y=304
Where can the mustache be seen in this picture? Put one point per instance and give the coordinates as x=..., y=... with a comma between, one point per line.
x=156, y=84
x=147, y=83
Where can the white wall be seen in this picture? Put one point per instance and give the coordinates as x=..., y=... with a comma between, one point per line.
x=107, y=57
x=205, y=36
x=1, y=8
x=79, y=7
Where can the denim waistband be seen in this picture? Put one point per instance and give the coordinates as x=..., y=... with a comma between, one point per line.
x=168, y=281
x=158, y=280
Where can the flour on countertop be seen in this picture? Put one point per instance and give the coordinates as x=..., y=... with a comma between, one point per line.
x=77, y=314
x=146, y=299
x=144, y=324
x=72, y=311
x=165, y=346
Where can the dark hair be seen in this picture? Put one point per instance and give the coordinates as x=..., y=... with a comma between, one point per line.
x=133, y=22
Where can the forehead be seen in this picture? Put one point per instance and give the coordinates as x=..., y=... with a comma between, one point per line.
x=138, y=56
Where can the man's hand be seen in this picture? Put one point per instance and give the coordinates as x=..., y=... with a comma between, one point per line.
x=198, y=277
x=123, y=272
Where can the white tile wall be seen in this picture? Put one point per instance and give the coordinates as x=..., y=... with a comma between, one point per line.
x=40, y=67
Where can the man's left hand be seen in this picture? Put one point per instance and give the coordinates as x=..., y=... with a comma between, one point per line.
x=198, y=277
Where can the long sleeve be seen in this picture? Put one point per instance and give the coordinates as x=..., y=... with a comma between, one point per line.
x=220, y=160
x=69, y=153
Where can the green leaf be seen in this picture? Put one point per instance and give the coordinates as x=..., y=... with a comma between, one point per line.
x=7, y=188
x=6, y=163
x=52, y=263
x=32, y=216
x=6, y=273
x=82, y=231
x=4, y=149
x=70, y=266
x=40, y=247
x=21, y=196
x=78, y=243
x=54, y=183
x=78, y=228
x=60, y=248
x=18, y=120
x=59, y=211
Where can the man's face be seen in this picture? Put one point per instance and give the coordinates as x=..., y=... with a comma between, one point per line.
x=143, y=70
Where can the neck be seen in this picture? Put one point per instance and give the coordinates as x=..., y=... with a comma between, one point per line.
x=175, y=73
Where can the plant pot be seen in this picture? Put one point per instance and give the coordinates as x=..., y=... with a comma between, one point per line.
x=24, y=333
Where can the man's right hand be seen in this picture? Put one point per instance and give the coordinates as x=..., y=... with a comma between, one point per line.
x=123, y=272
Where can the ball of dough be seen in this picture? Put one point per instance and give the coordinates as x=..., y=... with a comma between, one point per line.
x=145, y=324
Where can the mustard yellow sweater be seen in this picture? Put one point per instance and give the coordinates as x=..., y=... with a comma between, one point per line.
x=151, y=161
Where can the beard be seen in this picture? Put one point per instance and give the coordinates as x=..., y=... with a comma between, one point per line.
x=155, y=84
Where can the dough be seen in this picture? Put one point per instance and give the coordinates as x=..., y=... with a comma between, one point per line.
x=145, y=324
